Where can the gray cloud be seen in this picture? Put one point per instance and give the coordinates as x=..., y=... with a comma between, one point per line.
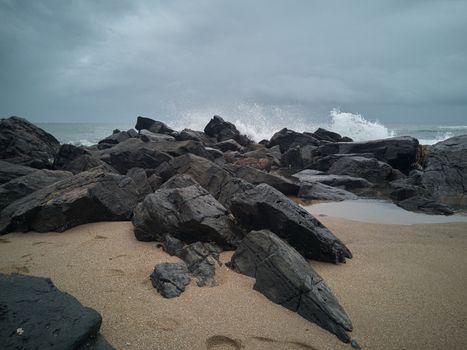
x=111, y=60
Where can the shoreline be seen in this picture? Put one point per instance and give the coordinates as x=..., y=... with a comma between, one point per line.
x=404, y=280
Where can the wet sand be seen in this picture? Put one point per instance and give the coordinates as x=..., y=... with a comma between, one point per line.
x=405, y=288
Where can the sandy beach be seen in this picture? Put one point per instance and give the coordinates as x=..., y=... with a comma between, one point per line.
x=405, y=288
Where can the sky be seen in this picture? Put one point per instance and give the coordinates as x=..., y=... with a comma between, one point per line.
x=394, y=61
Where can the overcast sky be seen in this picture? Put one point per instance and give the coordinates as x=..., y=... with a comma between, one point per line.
x=396, y=61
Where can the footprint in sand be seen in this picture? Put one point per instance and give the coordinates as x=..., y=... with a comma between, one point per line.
x=222, y=342
x=41, y=242
x=4, y=240
x=168, y=325
x=118, y=256
x=100, y=237
x=116, y=273
x=256, y=342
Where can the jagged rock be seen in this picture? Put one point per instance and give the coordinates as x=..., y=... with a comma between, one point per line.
x=77, y=159
x=230, y=188
x=172, y=245
x=148, y=136
x=229, y=145
x=47, y=317
x=179, y=181
x=324, y=163
x=141, y=180
x=188, y=134
x=366, y=168
x=113, y=139
x=286, y=278
x=263, y=207
x=24, y=185
x=326, y=135
x=292, y=158
x=319, y=191
x=287, y=138
x=201, y=259
x=155, y=182
x=263, y=164
x=222, y=131
x=133, y=153
x=399, y=152
x=153, y=126
x=83, y=198
x=10, y=171
x=190, y=214
x=178, y=148
x=256, y=176
x=23, y=143
x=343, y=181
x=170, y=279
x=425, y=205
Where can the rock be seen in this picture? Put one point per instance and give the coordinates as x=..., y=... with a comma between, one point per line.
x=170, y=279
x=155, y=182
x=343, y=181
x=83, y=198
x=152, y=126
x=172, y=245
x=319, y=191
x=323, y=134
x=445, y=175
x=230, y=188
x=113, y=139
x=256, y=176
x=292, y=158
x=188, y=134
x=201, y=259
x=286, y=278
x=23, y=143
x=10, y=171
x=48, y=318
x=190, y=214
x=141, y=180
x=286, y=139
x=133, y=153
x=178, y=148
x=366, y=168
x=399, y=152
x=24, y=185
x=425, y=205
x=229, y=145
x=77, y=159
x=148, y=136
x=222, y=131
x=215, y=154
x=263, y=207
x=179, y=181
x=262, y=164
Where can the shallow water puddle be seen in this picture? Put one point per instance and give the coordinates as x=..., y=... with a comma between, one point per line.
x=378, y=212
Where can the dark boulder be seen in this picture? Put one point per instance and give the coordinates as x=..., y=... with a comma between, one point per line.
x=425, y=205
x=178, y=148
x=179, y=181
x=287, y=138
x=343, y=181
x=367, y=168
x=116, y=137
x=170, y=279
x=34, y=314
x=229, y=145
x=141, y=180
x=77, y=159
x=231, y=187
x=292, y=158
x=326, y=135
x=319, y=191
x=25, y=185
x=172, y=245
x=287, y=279
x=188, y=134
x=153, y=126
x=83, y=198
x=261, y=164
x=148, y=136
x=10, y=171
x=23, y=143
x=263, y=207
x=221, y=130
x=190, y=214
x=201, y=259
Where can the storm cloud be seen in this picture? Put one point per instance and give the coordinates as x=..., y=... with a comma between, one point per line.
x=396, y=61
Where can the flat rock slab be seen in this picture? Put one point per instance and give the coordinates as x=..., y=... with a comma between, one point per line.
x=34, y=314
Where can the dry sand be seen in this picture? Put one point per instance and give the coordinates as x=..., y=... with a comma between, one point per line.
x=405, y=288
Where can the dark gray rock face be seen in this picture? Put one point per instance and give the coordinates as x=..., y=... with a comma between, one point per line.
x=133, y=153
x=263, y=207
x=343, y=181
x=116, y=137
x=326, y=135
x=445, y=174
x=178, y=148
x=292, y=158
x=46, y=317
x=287, y=138
x=142, y=183
x=77, y=159
x=10, y=171
x=148, y=136
x=170, y=279
x=188, y=134
x=190, y=214
x=286, y=278
x=319, y=191
x=221, y=130
x=83, y=198
x=229, y=145
x=153, y=126
x=367, y=168
x=179, y=181
x=232, y=187
x=24, y=143
x=425, y=205
x=201, y=259
x=398, y=152
x=24, y=185
x=256, y=176
x=172, y=245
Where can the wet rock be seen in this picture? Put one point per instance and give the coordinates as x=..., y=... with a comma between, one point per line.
x=343, y=181
x=319, y=191
x=286, y=278
x=222, y=131
x=48, y=318
x=83, y=198
x=152, y=126
x=23, y=143
x=366, y=168
x=287, y=138
x=323, y=134
x=10, y=171
x=263, y=207
x=170, y=279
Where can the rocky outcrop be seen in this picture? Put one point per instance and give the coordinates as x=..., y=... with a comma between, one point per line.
x=221, y=130
x=229, y=145
x=425, y=205
x=77, y=159
x=366, y=168
x=170, y=279
x=24, y=143
x=116, y=137
x=153, y=126
x=319, y=191
x=27, y=184
x=326, y=135
x=36, y=315
x=83, y=198
x=287, y=138
x=10, y=171
x=263, y=207
x=286, y=278
x=343, y=181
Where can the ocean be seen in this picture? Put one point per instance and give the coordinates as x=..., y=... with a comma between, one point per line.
x=259, y=126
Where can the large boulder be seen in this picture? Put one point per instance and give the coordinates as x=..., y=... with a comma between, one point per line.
x=10, y=171
x=343, y=181
x=77, y=159
x=24, y=185
x=170, y=279
x=221, y=130
x=445, y=174
x=229, y=145
x=263, y=207
x=319, y=191
x=326, y=135
x=21, y=142
x=153, y=126
x=286, y=278
x=287, y=138
x=178, y=148
x=36, y=315
x=133, y=153
x=83, y=198
x=399, y=152
x=190, y=214
x=188, y=134
x=370, y=169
